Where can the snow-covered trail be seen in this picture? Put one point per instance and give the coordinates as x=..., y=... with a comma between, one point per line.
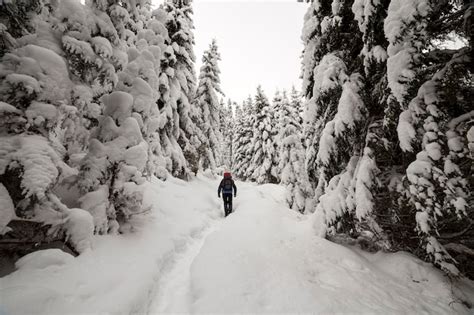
x=264, y=258
x=174, y=291
x=174, y=288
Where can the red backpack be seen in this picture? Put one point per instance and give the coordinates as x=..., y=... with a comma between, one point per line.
x=227, y=183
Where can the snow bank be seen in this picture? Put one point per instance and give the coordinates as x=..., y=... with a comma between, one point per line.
x=79, y=228
x=266, y=259
x=44, y=259
x=119, y=275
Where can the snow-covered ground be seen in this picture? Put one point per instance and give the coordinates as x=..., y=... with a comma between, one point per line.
x=266, y=259
x=184, y=258
x=121, y=273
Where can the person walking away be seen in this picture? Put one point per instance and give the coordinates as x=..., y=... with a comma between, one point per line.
x=227, y=187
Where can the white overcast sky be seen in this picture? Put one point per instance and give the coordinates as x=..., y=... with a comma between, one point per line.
x=259, y=42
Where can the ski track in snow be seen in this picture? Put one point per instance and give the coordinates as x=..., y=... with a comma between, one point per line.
x=174, y=288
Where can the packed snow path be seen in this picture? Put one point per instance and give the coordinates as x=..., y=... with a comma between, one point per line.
x=174, y=288
x=264, y=258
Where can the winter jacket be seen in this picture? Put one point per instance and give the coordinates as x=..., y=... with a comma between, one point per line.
x=226, y=186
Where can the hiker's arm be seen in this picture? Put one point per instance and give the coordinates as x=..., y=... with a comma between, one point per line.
x=219, y=189
x=235, y=188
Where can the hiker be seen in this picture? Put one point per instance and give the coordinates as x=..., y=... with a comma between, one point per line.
x=227, y=185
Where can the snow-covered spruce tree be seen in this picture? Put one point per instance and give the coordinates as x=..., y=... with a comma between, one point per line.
x=331, y=46
x=15, y=21
x=126, y=147
x=292, y=155
x=113, y=169
x=94, y=53
x=435, y=91
x=177, y=86
x=226, y=130
x=210, y=108
x=122, y=15
x=140, y=78
x=263, y=167
x=236, y=120
x=376, y=212
x=343, y=112
x=297, y=103
x=278, y=104
x=169, y=91
x=373, y=187
x=35, y=91
x=279, y=101
x=242, y=141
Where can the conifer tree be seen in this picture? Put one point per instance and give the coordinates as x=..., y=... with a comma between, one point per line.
x=292, y=155
x=114, y=167
x=172, y=156
x=124, y=148
x=94, y=54
x=242, y=141
x=226, y=129
x=386, y=145
x=435, y=120
x=296, y=102
x=37, y=120
x=331, y=44
x=210, y=108
x=263, y=166
x=140, y=78
x=15, y=17
x=179, y=79
x=279, y=101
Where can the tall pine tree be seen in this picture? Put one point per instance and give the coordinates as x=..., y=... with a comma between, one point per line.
x=291, y=156
x=210, y=109
x=226, y=129
x=242, y=141
x=386, y=144
x=183, y=80
x=263, y=166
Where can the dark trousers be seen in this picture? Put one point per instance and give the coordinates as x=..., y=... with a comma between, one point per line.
x=227, y=203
